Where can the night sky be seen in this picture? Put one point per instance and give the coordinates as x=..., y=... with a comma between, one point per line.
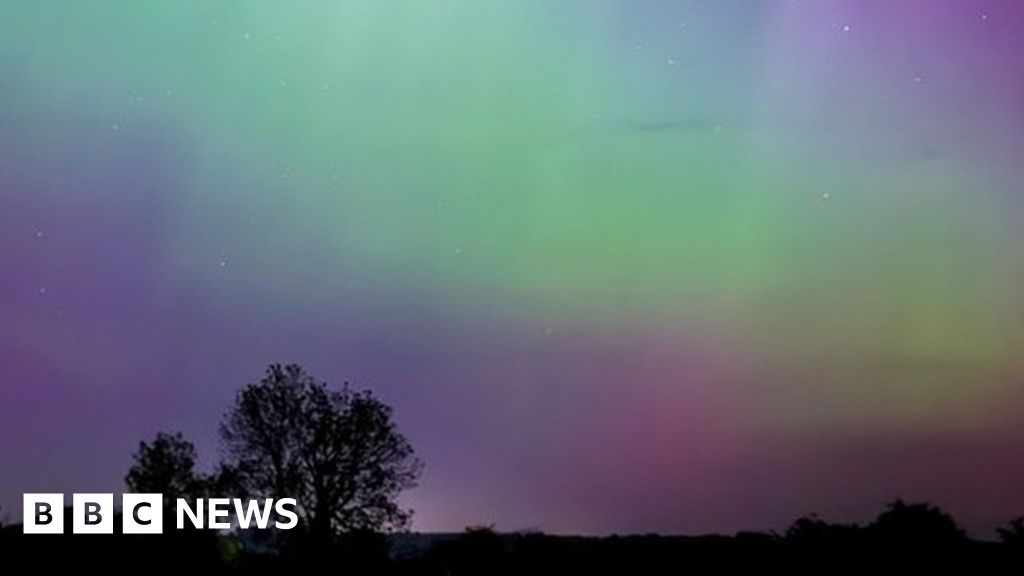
x=618, y=265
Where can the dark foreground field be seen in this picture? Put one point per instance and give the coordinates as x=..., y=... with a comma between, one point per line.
x=914, y=537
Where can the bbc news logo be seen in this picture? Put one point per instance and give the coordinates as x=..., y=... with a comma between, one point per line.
x=143, y=513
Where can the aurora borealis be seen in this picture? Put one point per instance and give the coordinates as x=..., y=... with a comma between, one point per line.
x=619, y=266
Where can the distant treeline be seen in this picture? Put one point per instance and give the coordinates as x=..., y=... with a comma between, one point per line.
x=905, y=535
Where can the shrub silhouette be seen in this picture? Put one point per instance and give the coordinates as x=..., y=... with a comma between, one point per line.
x=917, y=525
x=812, y=531
x=478, y=550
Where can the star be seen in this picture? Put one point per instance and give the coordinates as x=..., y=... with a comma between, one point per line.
x=39, y=233
x=826, y=196
x=846, y=27
x=223, y=263
x=671, y=62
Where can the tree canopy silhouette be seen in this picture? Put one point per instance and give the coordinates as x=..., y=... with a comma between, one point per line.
x=337, y=452
x=164, y=466
x=918, y=524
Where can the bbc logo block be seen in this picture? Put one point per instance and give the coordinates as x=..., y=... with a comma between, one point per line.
x=43, y=513
x=142, y=513
x=92, y=514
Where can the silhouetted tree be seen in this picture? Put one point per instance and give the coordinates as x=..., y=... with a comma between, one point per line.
x=917, y=525
x=813, y=531
x=1012, y=533
x=809, y=528
x=165, y=466
x=336, y=451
